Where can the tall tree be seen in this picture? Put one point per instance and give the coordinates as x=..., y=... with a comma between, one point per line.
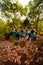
x=10, y=8
x=35, y=9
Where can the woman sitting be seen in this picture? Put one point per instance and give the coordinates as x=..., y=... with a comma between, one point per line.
x=32, y=36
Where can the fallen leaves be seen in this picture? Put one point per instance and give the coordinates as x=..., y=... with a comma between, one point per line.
x=22, y=55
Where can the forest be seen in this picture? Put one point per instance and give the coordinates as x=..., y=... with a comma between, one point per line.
x=21, y=32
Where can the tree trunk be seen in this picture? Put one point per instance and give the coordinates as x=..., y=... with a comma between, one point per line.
x=37, y=25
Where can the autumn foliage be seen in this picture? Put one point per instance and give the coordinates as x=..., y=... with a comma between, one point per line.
x=15, y=54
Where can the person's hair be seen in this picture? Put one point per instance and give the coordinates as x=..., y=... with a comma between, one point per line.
x=32, y=31
x=26, y=30
x=16, y=30
x=22, y=31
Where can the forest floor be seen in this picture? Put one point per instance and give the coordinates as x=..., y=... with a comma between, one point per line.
x=21, y=53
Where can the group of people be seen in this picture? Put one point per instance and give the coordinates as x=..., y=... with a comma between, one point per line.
x=30, y=35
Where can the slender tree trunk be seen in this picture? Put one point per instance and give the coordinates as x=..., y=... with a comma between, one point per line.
x=36, y=27
x=37, y=24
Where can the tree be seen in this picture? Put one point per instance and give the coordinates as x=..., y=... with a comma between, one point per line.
x=26, y=21
x=2, y=27
x=11, y=9
x=35, y=9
